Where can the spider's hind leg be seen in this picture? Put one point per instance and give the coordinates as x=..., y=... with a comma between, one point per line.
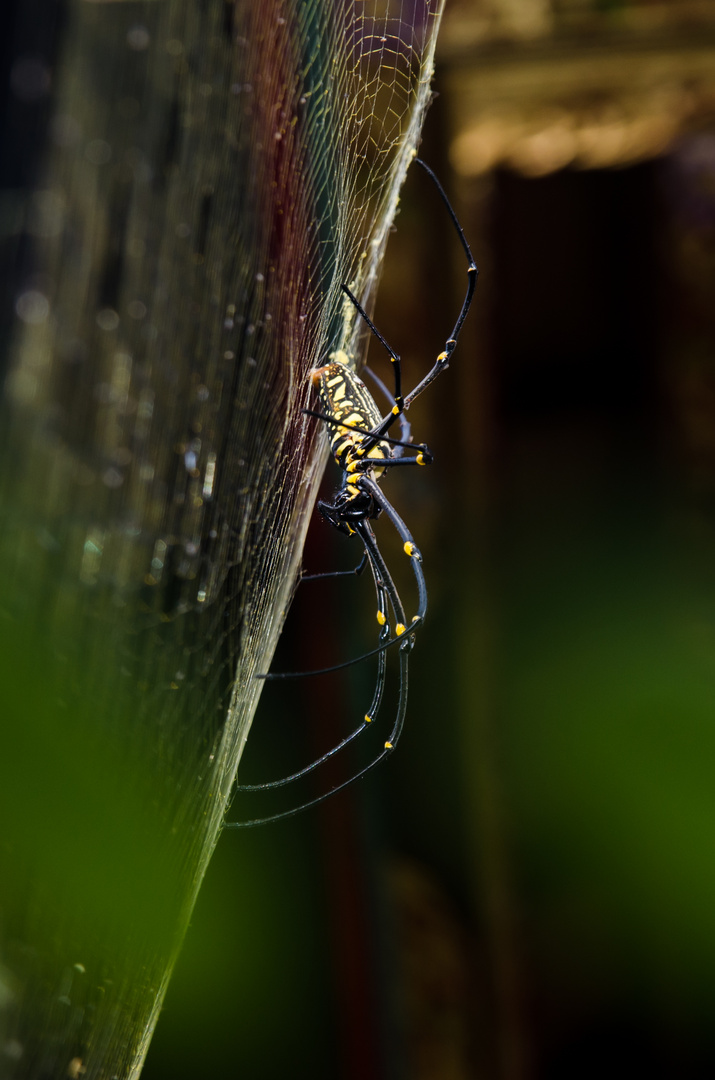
x=355, y=572
x=386, y=594
x=382, y=604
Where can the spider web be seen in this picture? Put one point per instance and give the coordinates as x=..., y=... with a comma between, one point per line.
x=215, y=174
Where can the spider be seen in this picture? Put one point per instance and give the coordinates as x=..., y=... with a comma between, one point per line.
x=361, y=446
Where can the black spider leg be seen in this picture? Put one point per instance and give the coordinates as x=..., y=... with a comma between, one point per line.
x=401, y=444
x=399, y=637
x=396, y=362
x=366, y=483
x=444, y=357
x=368, y=538
x=410, y=548
x=405, y=439
x=355, y=572
x=374, y=707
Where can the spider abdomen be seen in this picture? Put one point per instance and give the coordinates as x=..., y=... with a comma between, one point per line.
x=347, y=401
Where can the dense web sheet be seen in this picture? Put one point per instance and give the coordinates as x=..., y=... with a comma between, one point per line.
x=215, y=173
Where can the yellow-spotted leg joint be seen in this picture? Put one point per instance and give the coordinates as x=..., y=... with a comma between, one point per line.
x=413, y=551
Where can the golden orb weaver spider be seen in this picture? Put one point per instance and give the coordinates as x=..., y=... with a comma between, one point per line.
x=363, y=450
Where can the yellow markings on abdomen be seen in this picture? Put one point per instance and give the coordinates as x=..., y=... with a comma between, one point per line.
x=347, y=401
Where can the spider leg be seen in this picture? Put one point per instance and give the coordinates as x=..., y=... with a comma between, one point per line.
x=369, y=716
x=405, y=425
x=399, y=638
x=394, y=357
x=383, y=584
x=389, y=746
x=356, y=571
x=369, y=434
x=366, y=483
x=422, y=457
x=403, y=632
x=444, y=357
x=442, y=361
